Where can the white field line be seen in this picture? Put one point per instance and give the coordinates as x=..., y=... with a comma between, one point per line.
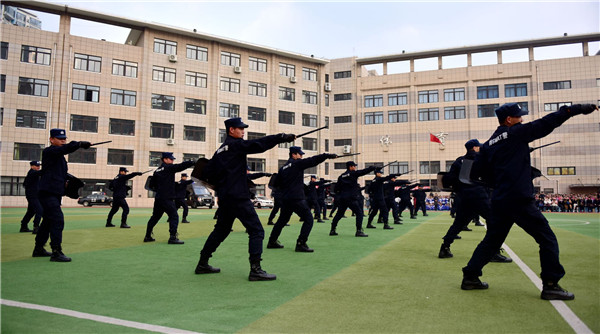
x=98, y=318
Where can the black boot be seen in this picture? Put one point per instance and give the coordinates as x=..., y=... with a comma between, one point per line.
x=274, y=244
x=466, y=228
x=173, y=240
x=204, y=268
x=333, y=232
x=387, y=226
x=270, y=223
x=473, y=283
x=360, y=233
x=124, y=225
x=498, y=257
x=58, y=255
x=553, y=291
x=445, y=252
x=24, y=228
x=185, y=221
x=257, y=274
x=369, y=225
x=302, y=247
x=109, y=224
x=39, y=251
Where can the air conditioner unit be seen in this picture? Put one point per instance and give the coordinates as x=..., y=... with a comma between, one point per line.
x=170, y=141
x=237, y=69
x=293, y=79
x=327, y=87
x=347, y=149
x=173, y=58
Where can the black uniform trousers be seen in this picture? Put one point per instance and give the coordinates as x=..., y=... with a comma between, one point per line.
x=323, y=207
x=276, y=207
x=419, y=204
x=527, y=216
x=467, y=208
x=230, y=209
x=406, y=203
x=379, y=205
x=118, y=202
x=355, y=205
x=53, y=221
x=161, y=206
x=300, y=207
x=313, y=203
x=34, y=208
x=390, y=202
x=182, y=203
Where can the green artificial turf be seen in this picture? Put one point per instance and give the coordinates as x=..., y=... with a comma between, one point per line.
x=390, y=282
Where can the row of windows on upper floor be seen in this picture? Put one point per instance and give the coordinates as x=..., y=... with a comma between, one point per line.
x=89, y=93
x=453, y=94
x=91, y=63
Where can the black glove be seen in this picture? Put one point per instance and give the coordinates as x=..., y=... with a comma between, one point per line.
x=331, y=156
x=85, y=144
x=585, y=109
x=288, y=137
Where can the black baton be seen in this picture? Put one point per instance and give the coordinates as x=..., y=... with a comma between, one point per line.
x=535, y=148
x=102, y=142
x=315, y=130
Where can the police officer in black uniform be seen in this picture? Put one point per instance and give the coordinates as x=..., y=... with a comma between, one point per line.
x=228, y=171
x=377, y=200
x=405, y=201
x=321, y=194
x=52, y=189
x=276, y=194
x=312, y=197
x=120, y=188
x=419, y=195
x=181, y=194
x=471, y=200
x=389, y=193
x=164, y=202
x=34, y=208
x=290, y=181
x=349, y=196
x=504, y=162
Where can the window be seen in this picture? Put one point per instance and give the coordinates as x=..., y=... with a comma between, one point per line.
x=256, y=164
x=163, y=74
x=257, y=89
x=428, y=96
x=87, y=63
x=399, y=167
x=192, y=156
x=257, y=64
x=230, y=85
x=287, y=70
x=1, y=117
x=84, y=123
x=163, y=102
x=342, y=97
x=555, y=106
x=119, y=157
x=397, y=99
x=196, y=52
x=165, y=47
x=487, y=92
x=431, y=114
x=222, y=135
x=449, y=164
x=284, y=145
x=4, y=51
x=255, y=135
x=257, y=114
x=326, y=165
x=309, y=97
x=374, y=117
x=487, y=110
x=342, y=75
x=397, y=116
x=124, y=127
x=86, y=93
x=2, y=83
x=309, y=74
x=309, y=143
x=28, y=152
x=454, y=112
x=311, y=170
x=229, y=110
x=154, y=159
x=524, y=105
x=35, y=55
x=286, y=117
x=551, y=85
x=230, y=59
x=288, y=94
x=561, y=171
x=30, y=119
x=83, y=156
x=161, y=130
x=342, y=142
x=123, y=97
x=326, y=145
x=124, y=68
x=12, y=185
x=429, y=167
x=342, y=119
x=195, y=106
x=373, y=101
x=339, y=165
x=454, y=94
x=196, y=79
x=512, y=90
x=35, y=87
x=195, y=133
x=327, y=100
x=309, y=120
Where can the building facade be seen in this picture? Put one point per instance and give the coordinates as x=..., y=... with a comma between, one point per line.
x=169, y=89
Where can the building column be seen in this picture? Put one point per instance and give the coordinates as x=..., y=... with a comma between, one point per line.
x=499, y=55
